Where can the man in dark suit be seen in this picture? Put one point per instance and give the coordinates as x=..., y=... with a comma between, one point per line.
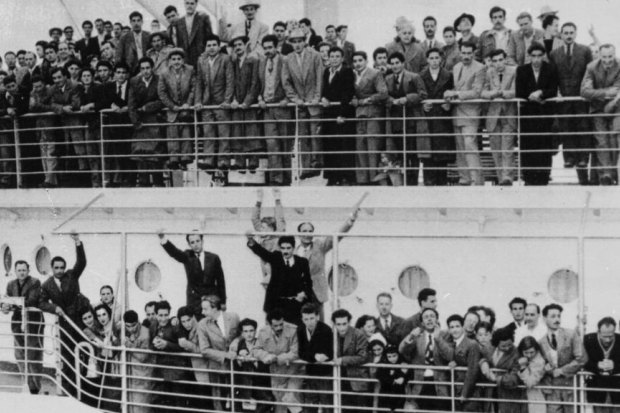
x=351, y=353
x=388, y=324
x=427, y=298
x=348, y=48
x=215, y=87
x=338, y=86
x=536, y=82
x=144, y=107
x=13, y=102
x=406, y=91
x=603, y=350
x=571, y=61
x=133, y=45
x=60, y=295
x=290, y=286
x=191, y=31
x=202, y=268
x=517, y=309
x=29, y=348
x=316, y=346
x=87, y=46
x=279, y=145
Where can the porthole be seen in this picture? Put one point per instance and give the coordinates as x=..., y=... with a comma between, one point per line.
x=7, y=258
x=563, y=286
x=147, y=276
x=347, y=280
x=42, y=260
x=413, y=279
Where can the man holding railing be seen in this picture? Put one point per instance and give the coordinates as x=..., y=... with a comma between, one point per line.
x=13, y=103
x=140, y=364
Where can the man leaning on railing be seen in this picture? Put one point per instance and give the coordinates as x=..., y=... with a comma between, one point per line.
x=12, y=103
x=140, y=365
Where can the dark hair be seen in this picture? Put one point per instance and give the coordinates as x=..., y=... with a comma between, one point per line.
x=275, y=314
x=361, y=322
x=130, y=316
x=103, y=307
x=391, y=349
x=497, y=52
x=323, y=44
x=214, y=300
x=306, y=21
x=162, y=305
x=54, y=29
x=155, y=21
x=98, y=19
x=333, y=49
x=193, y=233
x=146, y=59
x=41, y=43
x=550, y=307
x=396, y=55
x=150, y=304
x=184, y=311
x=213, y=37
x=87, y=308
x=569, y=24
x=424, y=294
x=455, y=317
x=37, y=78
x=21, y=51
x=114, y=47
x=502, y=334
x=360, y=53
x=468, y=44
x=286, y=239
x=429, y=309
x=59, y=259
x=449, y=29
x=341, y=28
x=304, y=223
x=87, y=23
x=341, y=313
x=310, y=308
x=21, y=262
x=10, y=52
x=517, y=300
x=434, y=50
x=484, y=324
x=535, y=46
x=51, y=45
x=107, y=22
x=108, y=287
x=269, y=38
x=378, y=51
x=490, y=312
x=104, y=63
x=170, y=9
x=384, y=294
x=247, y=322
x=470, y=311
x=135, y=14
x=548, y=20
x=279, y=24
x=496, y=9
x=9, y=79
x=527, y=343
x=330, y=26
x=73, y=62
x=122, y=65
x=605, y=321
x=429, y=18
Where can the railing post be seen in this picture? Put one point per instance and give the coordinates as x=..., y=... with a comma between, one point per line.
x=296, y=161
x=57, y=347
x=452, y=391
x=575, y=394
x=25, y=330
x=196, y=147
x=18, y=167
x=232, y=386
x=518, y=177
x=123, y=277
x=335, y=304
x=405, y=145
x=101, y=147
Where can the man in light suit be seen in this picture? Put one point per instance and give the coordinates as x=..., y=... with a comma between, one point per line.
x=388, y=324
x=468, y=83
x=279, y=145
x=302, y=76
x=176, y=89
x=520, y=40
x=351, y=353
x=191, y=32
x=501, y=123
x=565, y=355
x=278, y=347
x=254, y=30
x=421, y=347
x=370, y=94
x=133, y=45
x=202, y=268
x=215, y=333
x=215, y=87
x=601, y=82
x=429, y=24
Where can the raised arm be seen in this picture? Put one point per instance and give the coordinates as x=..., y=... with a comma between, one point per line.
x=279, y=211
x=257, y=209
x=80, y=262
x=259, y=250
x=171, y=249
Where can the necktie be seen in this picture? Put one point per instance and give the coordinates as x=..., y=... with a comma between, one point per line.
x=248, y=26
x=217, y=325
x=119, y=91
x=501, y=79
x=569, y=50
x=332, y=73
x=428, y=353
x=288, y=263
x=397, y=83
x=554, y=342
x=270, y=66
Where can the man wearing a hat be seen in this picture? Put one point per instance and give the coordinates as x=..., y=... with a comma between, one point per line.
x=254, y=30
x=463, y=24
x=302, y=75
x=547, y=11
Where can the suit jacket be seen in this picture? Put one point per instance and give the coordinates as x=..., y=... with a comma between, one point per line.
x=70, y=96
x=391, y=334
x=160, y=59
x=175, y=91
x=595, y=354
x=571, y=70
x=303, y=82
x=469, y=84
x=127, y=52
x=193, y=43
x=285, y=283
x=507, y=111
x=321, y=342
x=246, y=80
x=171, y=335
x=526, y=84
x=508, y=380
x=92, y=49
x=30, y=289
x=105, y=94
x=279, y=92
x=436, y=44
x=415, y=58
x=204, y=279
x=415, y=353
x=348, y=48
x=408, y=325
x=20, y=102
x=69, y=298
x=597, y=81
x=517, y=52
x=258, y=30
x=341, y=89
x=285, y=348
x=372, y=85
x=143, y=96
x=465, y=354
x=354, y=353
x=486, y=43
x=440, y=130
x=571, y=357
x=214, y=341
x=214, y=86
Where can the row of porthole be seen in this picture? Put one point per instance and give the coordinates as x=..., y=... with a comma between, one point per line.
x=562, y=284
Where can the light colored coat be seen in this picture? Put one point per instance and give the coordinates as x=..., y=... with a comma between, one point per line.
x=173, y=92
x=508, y=111
x=597, y=82
x=215, y=341
x=285, y=348
x=304, y=82
x=468, y=84
x=214, y=85
x=571, y=357
x=517, y=52
x=373, y=86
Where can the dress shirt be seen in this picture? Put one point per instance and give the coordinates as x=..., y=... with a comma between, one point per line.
x=386, y=322
x=137, y=36
x=429, y=339
x=459, y=340
x=289, y=262
x=536, y=74
x=219, y=322
x=553, y=353
x=147, y=82
x=333, y=71
x=430, y=43
x=270, y=78
x=434, y=74
x=537, y=332
x=189, y=22
x=123, y=88
x=58, y=284
x=501, y=39
x=359, y=75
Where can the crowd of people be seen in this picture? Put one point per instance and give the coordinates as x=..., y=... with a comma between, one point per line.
x=526, y=366
x=242, y=83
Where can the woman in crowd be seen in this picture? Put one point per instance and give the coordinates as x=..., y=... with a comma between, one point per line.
x=531, y=371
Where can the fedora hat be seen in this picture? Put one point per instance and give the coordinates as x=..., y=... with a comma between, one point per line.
x=546, y=11
x=249, y=4
x=296, y=34
x=467, y=16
